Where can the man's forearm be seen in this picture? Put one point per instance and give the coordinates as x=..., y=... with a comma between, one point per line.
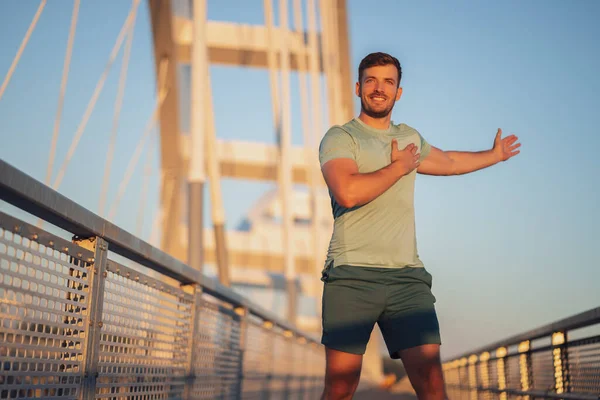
x=362, y=188
x=465, y=161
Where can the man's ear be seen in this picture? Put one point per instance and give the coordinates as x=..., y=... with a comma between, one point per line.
x=398, y=93
x=357, y=90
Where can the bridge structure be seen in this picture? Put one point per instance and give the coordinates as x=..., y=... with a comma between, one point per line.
x=89, y=310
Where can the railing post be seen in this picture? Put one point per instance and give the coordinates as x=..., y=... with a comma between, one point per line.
x=561, y=362
x=97, y=277
x=268, y=326
x=289, y=374
x=500, y=354
x=484, y=370
x=473, y=376
x=190, y=373
x=525, y=366
x=243, y=313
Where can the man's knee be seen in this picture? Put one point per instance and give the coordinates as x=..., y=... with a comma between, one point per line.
x=340, y=389
x=424, y=370
x=342, y=375
x=429, y=380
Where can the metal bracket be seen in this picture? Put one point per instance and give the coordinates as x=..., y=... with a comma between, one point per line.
x=95, y=307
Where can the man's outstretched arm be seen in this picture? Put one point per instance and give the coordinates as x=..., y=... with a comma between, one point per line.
x=440, y=162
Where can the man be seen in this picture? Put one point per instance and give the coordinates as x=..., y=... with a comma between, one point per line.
x=373, y=273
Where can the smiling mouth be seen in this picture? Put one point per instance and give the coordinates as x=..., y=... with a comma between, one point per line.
x=378, y=98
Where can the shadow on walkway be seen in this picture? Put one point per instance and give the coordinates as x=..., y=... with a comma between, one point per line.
x=374, y=394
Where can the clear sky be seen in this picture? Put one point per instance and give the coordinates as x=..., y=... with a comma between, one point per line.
x=510, y=248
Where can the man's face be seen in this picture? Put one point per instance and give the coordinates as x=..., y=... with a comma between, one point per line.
x=378, y=90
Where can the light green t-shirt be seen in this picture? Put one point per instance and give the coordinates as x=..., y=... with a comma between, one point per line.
x=380, y=233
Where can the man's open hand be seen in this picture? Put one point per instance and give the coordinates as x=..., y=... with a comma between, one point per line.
x=406, y=160
x=505, y=148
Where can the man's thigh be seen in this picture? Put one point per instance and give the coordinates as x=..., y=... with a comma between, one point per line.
x=350, y=310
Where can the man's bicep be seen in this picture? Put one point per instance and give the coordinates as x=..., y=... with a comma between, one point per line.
x=337, y=171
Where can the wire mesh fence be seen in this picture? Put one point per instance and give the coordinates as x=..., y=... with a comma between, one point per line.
x=548, y=363
x=77, y=323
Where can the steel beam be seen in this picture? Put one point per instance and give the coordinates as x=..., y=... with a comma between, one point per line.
x=237, y=44
x=173, y=164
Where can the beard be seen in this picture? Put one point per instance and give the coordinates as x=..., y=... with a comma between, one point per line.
x=367, y=109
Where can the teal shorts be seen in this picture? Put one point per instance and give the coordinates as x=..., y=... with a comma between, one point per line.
x=399, y=300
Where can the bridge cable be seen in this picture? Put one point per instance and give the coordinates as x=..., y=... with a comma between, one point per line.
x=140, y=146
x=154, y=238
x=117, y=112
x=97, y=91
x=63, y=89
x=146, y=182
x=22, y=47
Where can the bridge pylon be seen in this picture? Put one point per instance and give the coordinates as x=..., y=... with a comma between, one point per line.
x=184, y=37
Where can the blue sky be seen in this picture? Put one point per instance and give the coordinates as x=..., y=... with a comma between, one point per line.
x=510, y=248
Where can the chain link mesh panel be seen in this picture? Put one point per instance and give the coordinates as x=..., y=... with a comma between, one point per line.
x=493, y=377
x=463, y=376
x=217, y=360
x=542, y=366
x=283, y=365
x=43, y=315
x=298, y=368
x=454, y=392
x=584, y=366
x=451, y=377
x=513, y=372
x=280, y=367
x=144, y=338
x=258, y=360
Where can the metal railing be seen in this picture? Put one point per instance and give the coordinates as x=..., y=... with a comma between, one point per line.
x=106, y=315
x=557, y=361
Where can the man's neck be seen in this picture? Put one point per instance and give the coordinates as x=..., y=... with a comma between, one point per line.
x=377, y=123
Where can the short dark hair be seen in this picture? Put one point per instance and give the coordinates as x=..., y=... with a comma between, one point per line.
x=379, y=59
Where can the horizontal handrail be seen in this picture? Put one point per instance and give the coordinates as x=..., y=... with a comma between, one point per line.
x=32, y=196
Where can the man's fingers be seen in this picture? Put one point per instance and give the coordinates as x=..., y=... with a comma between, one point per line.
x=499, y=133
x=511, y=139
x=516, y=146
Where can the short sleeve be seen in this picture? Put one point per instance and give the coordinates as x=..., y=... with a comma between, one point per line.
x=337, y=143
x=425, y=148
